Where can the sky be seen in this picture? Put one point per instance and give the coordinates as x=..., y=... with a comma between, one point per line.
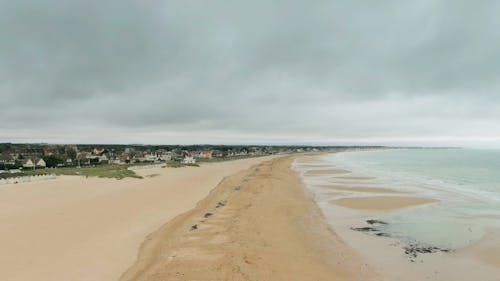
x=250, y=72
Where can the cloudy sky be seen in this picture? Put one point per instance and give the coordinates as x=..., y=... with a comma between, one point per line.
x=316, y=72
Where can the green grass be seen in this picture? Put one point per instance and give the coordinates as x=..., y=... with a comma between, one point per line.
x=175, y=164
x=102, y=171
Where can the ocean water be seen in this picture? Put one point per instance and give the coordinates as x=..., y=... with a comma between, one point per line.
x=466, y=181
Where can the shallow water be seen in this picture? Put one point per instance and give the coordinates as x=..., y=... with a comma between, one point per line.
x=466, y=181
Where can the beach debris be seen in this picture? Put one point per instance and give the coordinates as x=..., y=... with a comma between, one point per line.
x=413, y=250
x=194, y=227
x=237, y=188
x=206, y=215
x=375, y=222
x=220, y=204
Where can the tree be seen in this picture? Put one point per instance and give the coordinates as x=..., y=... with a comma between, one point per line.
x=52, y=160
x=71, y=154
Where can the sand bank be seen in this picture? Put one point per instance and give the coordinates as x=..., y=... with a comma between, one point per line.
x=382, y=202
x=366, y=189
x=355, y=178
x=75, y=228
x=327, y=172
x=258, y=224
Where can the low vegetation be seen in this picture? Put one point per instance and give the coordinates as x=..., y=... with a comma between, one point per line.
x=176, y=164
x=102, y=171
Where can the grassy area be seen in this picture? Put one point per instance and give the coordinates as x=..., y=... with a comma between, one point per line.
x=102, y=171
x=228, y=158
x=113, y=171
x=175, y=164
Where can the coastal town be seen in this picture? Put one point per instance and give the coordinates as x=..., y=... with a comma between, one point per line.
x=16, y=159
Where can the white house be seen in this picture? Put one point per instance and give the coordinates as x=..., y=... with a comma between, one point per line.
x=103, y=158
x=150, y=157
x=39, y=162
x=35, y=162
x=188, y=159
x=28, y=163
x=166, y=157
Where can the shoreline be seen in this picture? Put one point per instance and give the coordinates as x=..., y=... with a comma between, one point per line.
x=258, y=224
x=357, y=206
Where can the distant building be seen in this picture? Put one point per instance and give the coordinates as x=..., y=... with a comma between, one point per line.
x=6, y=158
x=206, y=153
x=34, y=163
x=151, y=157
x=166, y=157
x=189, y=159
x=103, y=159
x=28, y=163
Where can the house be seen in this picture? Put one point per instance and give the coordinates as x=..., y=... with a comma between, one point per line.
x=189, y=159
x=205, y=153
x=28, y=163
x=34, y=163
x=7, y=159
x=166, y=157
x=39, y=162
x=150, y=157
x=103, y=159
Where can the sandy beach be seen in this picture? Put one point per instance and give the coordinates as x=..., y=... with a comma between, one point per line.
x=250, y=219
x=259, y=224
x=76, y=228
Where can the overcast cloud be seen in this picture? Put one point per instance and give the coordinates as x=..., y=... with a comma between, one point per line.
x=321, y=72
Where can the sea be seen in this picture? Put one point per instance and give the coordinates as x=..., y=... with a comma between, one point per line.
x=466, y=182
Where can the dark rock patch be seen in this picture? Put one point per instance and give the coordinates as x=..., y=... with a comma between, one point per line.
x=413, y=250
x=364, y=229
x=375, y=222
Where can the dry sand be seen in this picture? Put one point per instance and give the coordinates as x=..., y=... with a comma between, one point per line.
x=256, y=225
x=73, y=228
x=382, y=202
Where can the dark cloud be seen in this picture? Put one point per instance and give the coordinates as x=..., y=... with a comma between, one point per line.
x=249, y=71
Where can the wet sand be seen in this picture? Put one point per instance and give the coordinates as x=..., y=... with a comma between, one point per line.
x=359, y=221
x=354, y=178
x=365, y=189
x=487, y=249
x=326, y=172
x=382, y=202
